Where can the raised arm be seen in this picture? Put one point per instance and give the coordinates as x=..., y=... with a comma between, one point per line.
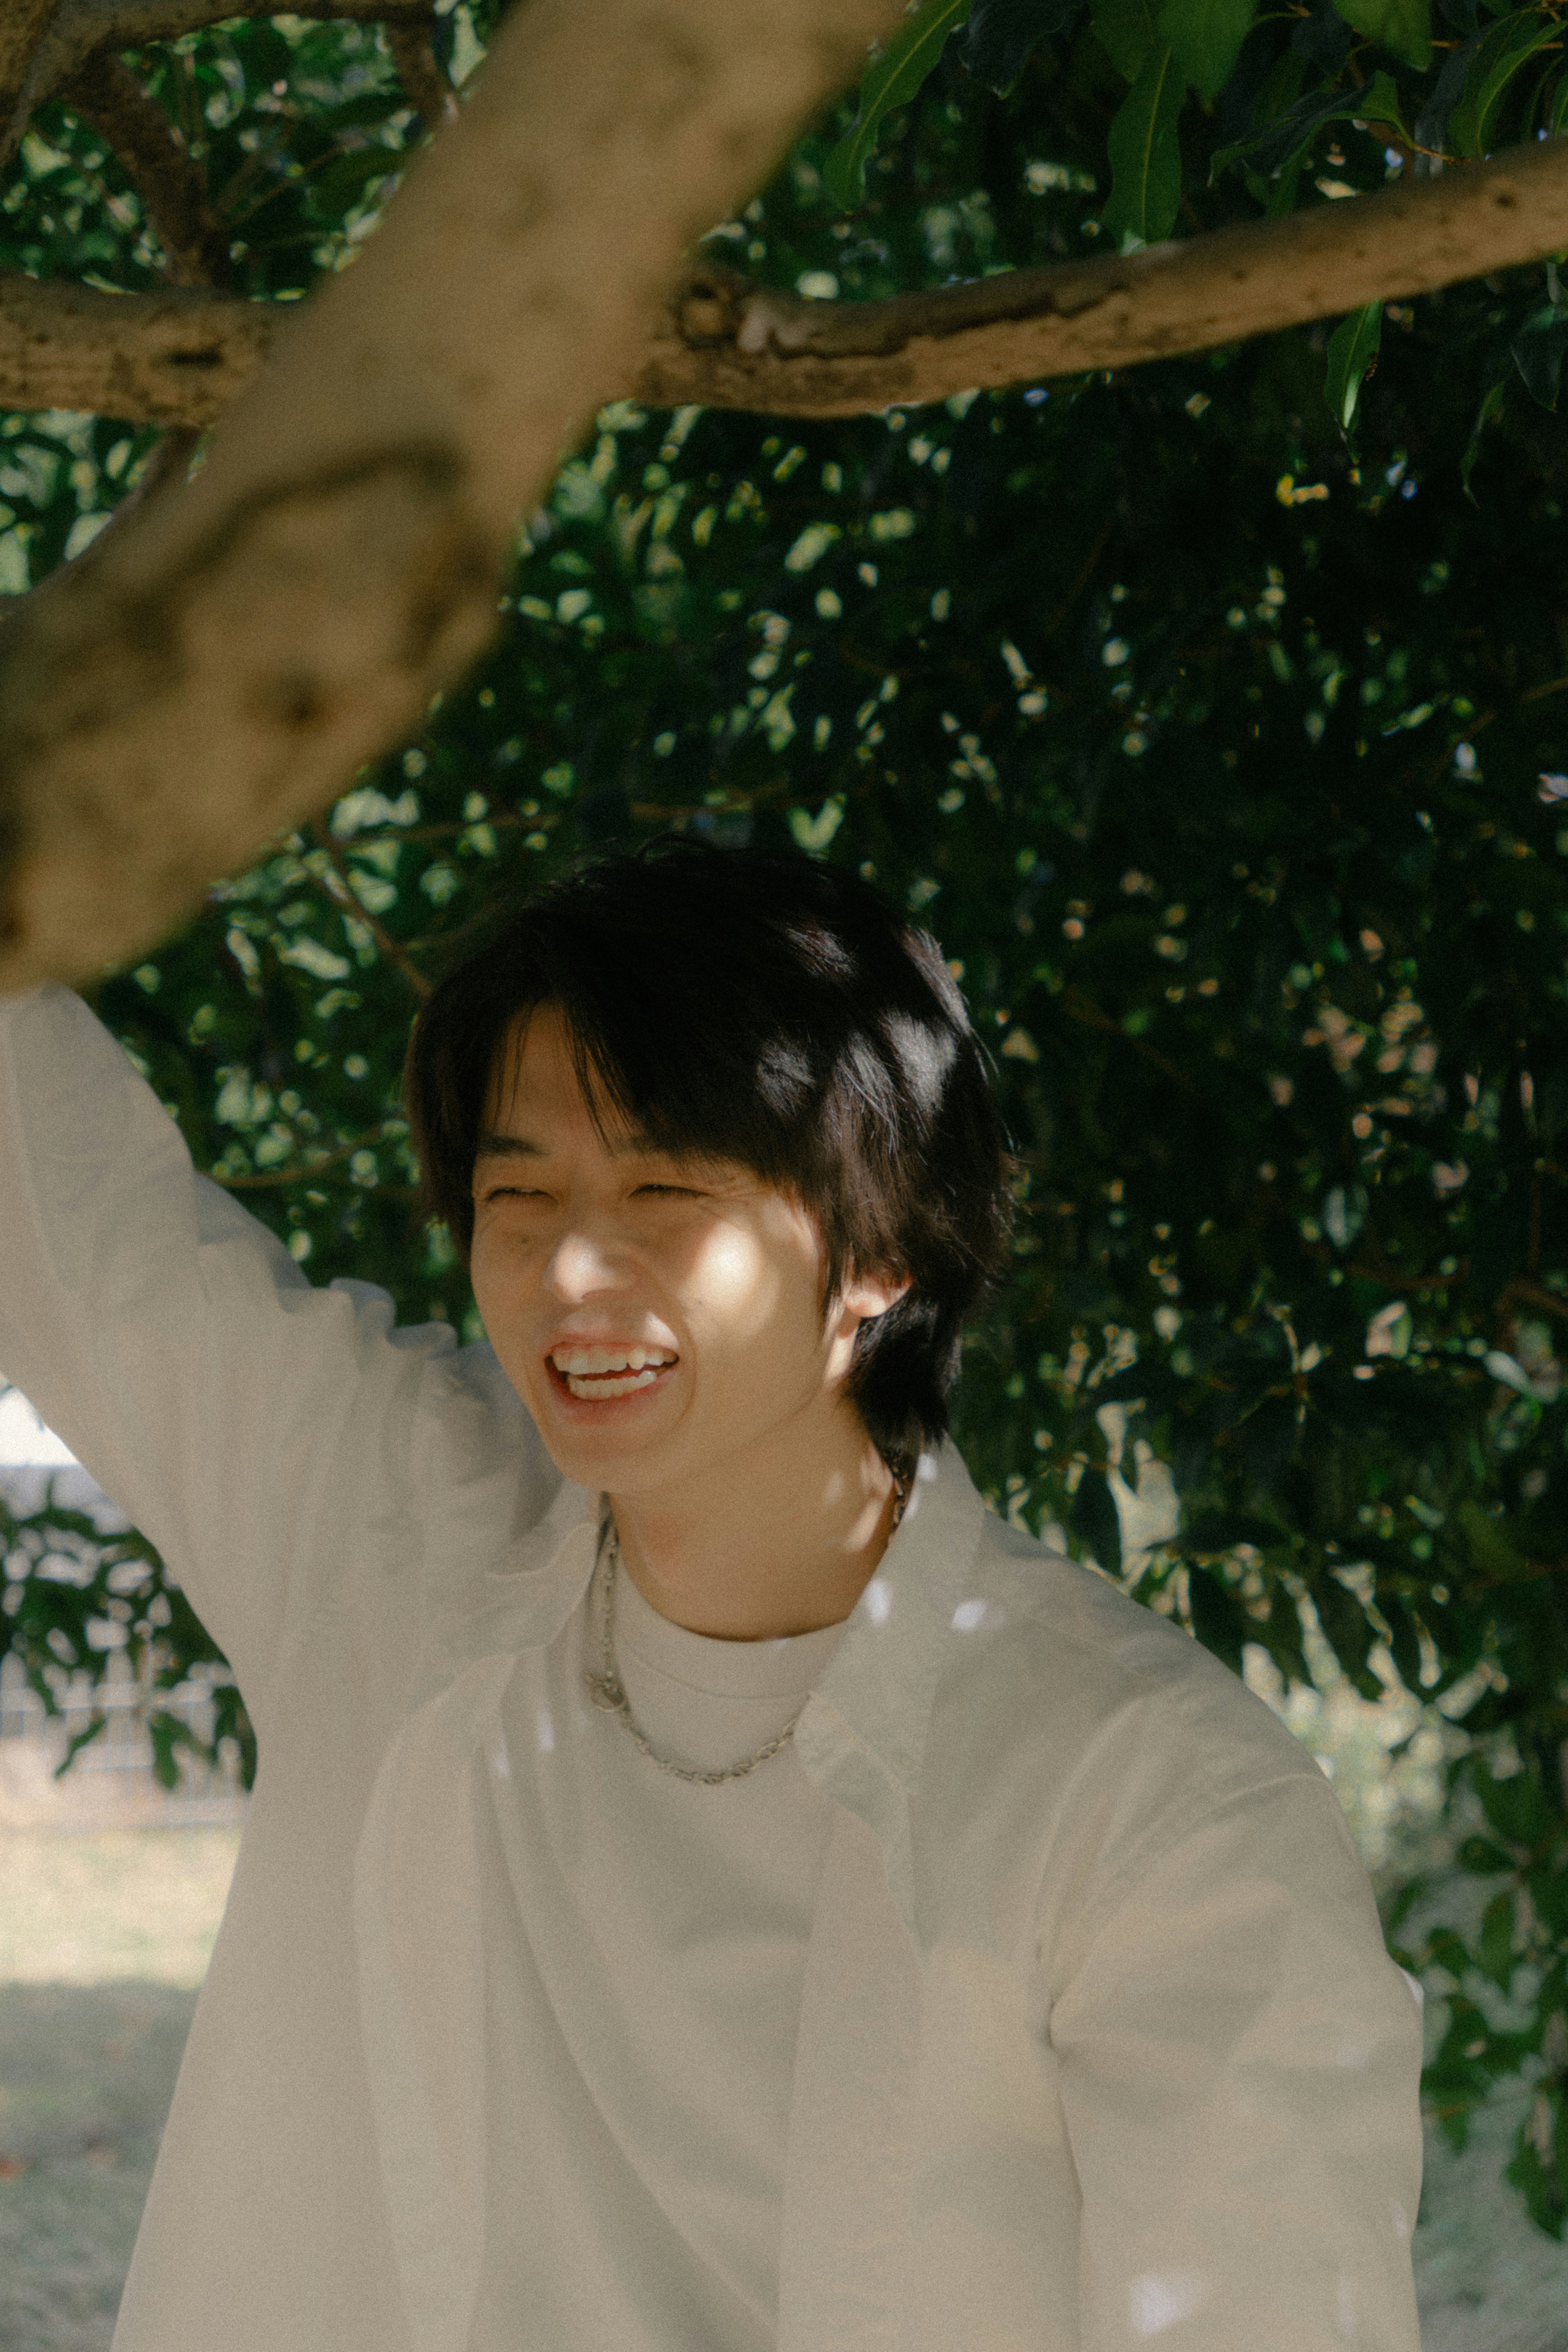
x=228, y=1406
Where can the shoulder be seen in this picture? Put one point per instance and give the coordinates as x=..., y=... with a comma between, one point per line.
x=1056, y=1680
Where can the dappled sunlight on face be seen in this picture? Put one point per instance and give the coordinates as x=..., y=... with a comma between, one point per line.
x=588, y=1238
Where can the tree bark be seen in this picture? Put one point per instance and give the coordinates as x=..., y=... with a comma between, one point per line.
x=424, y=85
x=732, y=345
x=173, y=358
x=235, y=654
x=723, y=343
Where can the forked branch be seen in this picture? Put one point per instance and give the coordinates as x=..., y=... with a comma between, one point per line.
x=228, y=661
x=168, y=179
x=50, y=40
x=723, y=343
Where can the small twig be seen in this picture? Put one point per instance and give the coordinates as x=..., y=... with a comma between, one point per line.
x=1085, y=572
x=299, y=1175
x=1095, y=1016
x=424, y=85
x=349, y=899
x=63, y=35
x=1388, y=1280
x=106, y=95
x=1521, y=1291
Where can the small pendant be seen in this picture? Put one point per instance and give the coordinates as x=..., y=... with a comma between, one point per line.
x=605, y=1691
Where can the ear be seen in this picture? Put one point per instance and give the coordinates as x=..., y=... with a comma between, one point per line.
x=866, y=1296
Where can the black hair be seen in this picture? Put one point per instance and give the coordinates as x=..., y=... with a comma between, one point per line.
x=777, y=1012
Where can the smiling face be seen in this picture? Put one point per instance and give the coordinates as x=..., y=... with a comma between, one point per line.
x=661, y=1318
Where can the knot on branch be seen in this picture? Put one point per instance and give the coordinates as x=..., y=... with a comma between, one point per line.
x=708, y=306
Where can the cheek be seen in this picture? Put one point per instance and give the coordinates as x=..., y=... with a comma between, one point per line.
x=751, y=1285
x=497, y=1269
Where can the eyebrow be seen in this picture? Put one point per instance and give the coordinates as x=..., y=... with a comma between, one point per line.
x=494, y=1144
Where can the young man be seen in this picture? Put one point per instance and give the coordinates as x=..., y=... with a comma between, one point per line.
x=709, y=1884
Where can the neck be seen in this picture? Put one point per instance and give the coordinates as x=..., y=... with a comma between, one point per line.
x=760, y=1552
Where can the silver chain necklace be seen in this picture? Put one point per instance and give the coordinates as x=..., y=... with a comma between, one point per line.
x=607, y=1691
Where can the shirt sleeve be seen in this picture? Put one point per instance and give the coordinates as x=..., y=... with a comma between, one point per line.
x=172, y=1342
x=1240, y=2067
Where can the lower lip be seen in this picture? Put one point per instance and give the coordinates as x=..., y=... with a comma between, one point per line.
x=602, y=1409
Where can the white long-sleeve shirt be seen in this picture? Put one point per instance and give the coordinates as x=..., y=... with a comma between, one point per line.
x=1098, y=2042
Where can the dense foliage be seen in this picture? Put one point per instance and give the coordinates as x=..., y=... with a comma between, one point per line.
x=1222, y=751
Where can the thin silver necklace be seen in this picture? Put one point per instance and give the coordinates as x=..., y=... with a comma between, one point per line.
x=607, y=1691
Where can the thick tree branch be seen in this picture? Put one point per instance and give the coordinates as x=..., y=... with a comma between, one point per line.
x=246, y=643
x=22, y=28
x=52, y=39
x=172, y=358
x=424, y=85
x=730, y=345
x=171, y=183
x=726, y=343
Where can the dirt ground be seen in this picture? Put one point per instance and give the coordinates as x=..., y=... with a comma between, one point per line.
x=103, y=1941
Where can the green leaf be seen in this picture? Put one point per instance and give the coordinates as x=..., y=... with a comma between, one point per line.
x=1145, y=155
x=1494, y=1947
x=1353, y=348
x=345, y=182
x=1516, y=1807
x=1207, y=36
x=1277, y=146
x=1487, y=413
x=1004, y=35
x=1217, y=1618
x=97, y=1723
x=168, y=1736
x=1506, y=50
x=892, y=82
x=1538, y=352
x=1128, y=31
x=1218, y=1531
x=1403, y=26
x=1096, y=1522
x=1479, y=1855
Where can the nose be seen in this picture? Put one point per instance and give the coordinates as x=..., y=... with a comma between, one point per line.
x=583, y=1265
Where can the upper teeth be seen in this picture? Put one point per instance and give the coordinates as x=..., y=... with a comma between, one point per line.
x=584, y=1362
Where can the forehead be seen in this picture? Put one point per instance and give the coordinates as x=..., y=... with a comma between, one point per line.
x=534, y=1077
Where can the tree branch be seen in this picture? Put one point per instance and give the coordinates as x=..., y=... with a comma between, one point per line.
x=173, y=358
x=424, y=85
x=729, y=344
x=75, y=28
x=250, y=640
x=726, y=344
x=23, y=23
x=339, y=883
x=167, y=178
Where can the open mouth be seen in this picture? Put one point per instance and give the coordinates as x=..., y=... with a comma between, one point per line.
x=598, y=1375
